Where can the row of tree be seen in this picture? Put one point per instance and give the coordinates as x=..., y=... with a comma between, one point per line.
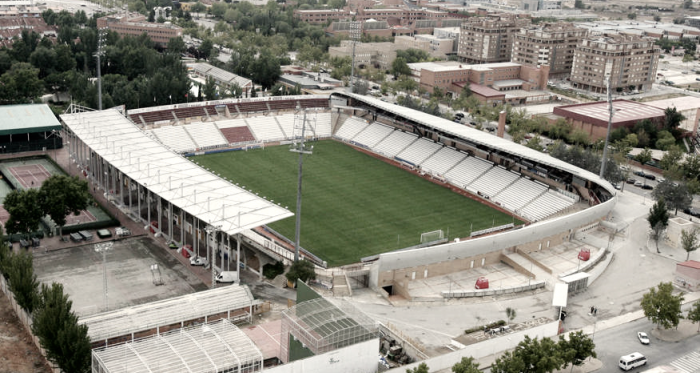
x=66, y=342
x=663, y=308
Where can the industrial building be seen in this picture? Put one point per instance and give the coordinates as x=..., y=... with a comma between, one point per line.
x=630, y=62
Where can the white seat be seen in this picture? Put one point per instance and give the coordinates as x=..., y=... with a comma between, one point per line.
x=206, y=135
x=419, y=151
x=175, y=138
x=394, y=143
x=443, y=160
x=350, y=128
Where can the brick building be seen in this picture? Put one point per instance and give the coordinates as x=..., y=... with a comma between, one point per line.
x=489, y=39
x=159, y=33
x=550, y=44
x=630, y=60
x=378, y=55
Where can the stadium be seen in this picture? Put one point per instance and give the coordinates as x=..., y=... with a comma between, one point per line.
x=140, y=160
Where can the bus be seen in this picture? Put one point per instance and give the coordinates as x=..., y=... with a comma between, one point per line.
x=632, y=361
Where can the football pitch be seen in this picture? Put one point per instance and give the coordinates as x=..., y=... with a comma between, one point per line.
x=353, y=204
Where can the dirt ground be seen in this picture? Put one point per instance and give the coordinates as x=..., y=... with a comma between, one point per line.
x=18, y=354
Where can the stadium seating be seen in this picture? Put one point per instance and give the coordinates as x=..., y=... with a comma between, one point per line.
x=190, y=112
x=283, y=104
x=237, y=135
x=373, y=134
x=206, y=135
x=176, y=138
x=266, y=128
x=350, y=128
x=287, y=122
x=545, y=205
x=442, y=161
x=519, y=194
x=395, y=143
x=493, y=181
x=314, y=103
x=466, y=171
x=419, y=151
x=323, y=124
x=253, y=106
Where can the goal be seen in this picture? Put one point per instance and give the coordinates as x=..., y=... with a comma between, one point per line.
x=432, y=236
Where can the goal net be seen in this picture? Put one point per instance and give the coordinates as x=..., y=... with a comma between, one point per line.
x=432, y=236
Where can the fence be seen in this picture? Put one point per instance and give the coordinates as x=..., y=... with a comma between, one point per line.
x=25, y=319
x=489, y=292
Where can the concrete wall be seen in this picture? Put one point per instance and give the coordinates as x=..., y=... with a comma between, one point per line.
x=485, y=348
x=358, y=358
x=398, y=267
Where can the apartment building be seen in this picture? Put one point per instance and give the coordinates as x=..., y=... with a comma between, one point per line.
x=433, y=45
x=319, y=16
x=489, y=39
x=630, y=61
x=159, y=33
x=395, y=16
x=378, y=55
x=550, y=44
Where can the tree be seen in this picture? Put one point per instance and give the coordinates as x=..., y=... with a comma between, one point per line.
x=632, y=15
x=301, y=270
x=65, y=341
x=510, y=313
x=60, y=196
x=577, y=348
x=644, y=157
x=421, y=368
x=658, y=220
x=176, y=45
x=23, y=282
x=466, y=365
x=530, y=356
x=209, y=89
x=694, y=314
x=665, y=140
x=206, y=48
x=661, y=307
x=20, y=84
x=689, y=241
x=400, y=67
x=25, y=211
x=672, y=157
x=578, y=4
x=674, y=194
x=672, y=118
x=687, y=4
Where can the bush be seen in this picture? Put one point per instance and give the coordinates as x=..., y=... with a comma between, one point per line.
x=272, y=270
x=488, y=326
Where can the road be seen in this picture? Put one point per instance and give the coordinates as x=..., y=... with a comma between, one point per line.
x=622, y=340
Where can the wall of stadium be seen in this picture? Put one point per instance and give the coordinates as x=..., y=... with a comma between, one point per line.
x=430, y=261
x=357, y=358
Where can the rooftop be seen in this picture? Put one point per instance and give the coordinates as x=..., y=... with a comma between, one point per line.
x=27, y=118
x=625, y=111
x=680, y=103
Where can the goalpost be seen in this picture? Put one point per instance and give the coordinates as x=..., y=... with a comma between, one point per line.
x=432, y=236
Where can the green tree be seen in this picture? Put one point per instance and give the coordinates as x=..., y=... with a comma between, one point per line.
x=632, y=15
x=672, y=157
x=665, y=140
x=400, y=67
x=20, y=84
x=694, y=313
x=687, y=4
x=689, y=241
x=510, y=313
x=691, y=166
x=413, y=55
x=23, y=282
x=210, y=89
x=672, y=118
x=644, y=156
x=578, y=4
x=206, y=49
x=466, y=365
x=421, y=368
x=176, y=45
x=25, y=211
x=535, y=143
x=530, y=356
x=60, y=196
x=65, y=341
x=661, y=307
x=658, y=220
x=301, y=270
x=674, y=194
x=5, y=256
x=577, y=348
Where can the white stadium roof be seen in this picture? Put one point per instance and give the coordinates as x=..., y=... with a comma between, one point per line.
x=479, y=137
x=185, y=184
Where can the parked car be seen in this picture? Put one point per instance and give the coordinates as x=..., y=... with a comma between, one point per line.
x=631, y=181
x=643, y=338
x=660, y=179
x=647, y=187
x=650, y=176
x=198, y=261
x=640, y=173
x=692, y=212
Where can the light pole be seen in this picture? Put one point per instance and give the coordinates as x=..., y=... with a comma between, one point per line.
x=301, y=149
x=607, y=133
x=355, y=32
x=103, y=247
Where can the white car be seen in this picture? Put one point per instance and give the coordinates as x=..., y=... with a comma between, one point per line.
x=198, y=261
x=643, y=338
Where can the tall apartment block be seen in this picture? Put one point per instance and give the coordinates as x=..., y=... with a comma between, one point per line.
x=630, y=60
x=489, y=39
x=550, y=44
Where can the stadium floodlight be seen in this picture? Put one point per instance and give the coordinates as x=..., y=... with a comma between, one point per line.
x=301, y=150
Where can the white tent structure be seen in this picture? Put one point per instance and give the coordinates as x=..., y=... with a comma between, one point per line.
x=216, y=347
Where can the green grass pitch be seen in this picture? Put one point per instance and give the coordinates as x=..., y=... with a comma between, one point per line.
x=353, y=204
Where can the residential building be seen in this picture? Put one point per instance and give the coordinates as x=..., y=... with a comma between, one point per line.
x=11, y=27
x=550, y=44
x=378, y=55
x=630, y=62
x=433, y=45
x=375, y=28
x=159, y=33
x=322, y=15
x=489, y=39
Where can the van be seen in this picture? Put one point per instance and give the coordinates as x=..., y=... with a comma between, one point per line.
x=227, y=276
x=632, y=361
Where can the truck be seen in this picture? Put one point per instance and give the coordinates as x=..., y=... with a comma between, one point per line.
x=227, y=276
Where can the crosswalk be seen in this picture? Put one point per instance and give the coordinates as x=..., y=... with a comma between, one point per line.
x=689, y=363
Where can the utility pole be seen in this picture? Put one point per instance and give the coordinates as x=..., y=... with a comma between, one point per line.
x=100, y=52
x=301, y=149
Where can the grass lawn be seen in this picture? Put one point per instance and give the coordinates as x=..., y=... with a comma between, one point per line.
x=353, y=205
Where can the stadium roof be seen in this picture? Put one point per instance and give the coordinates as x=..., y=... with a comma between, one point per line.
x=31, y=118
x=215, y=347
x=219, y=74
x=170, y=311
x=186, y=185
x=478, y=137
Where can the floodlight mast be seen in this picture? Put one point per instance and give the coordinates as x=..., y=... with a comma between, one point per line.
x=300, y=148
x=608, y=73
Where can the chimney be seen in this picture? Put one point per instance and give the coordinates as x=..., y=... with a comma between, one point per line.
x=501, y=124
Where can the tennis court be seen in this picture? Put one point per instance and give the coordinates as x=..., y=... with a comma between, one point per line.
x=30, y=176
